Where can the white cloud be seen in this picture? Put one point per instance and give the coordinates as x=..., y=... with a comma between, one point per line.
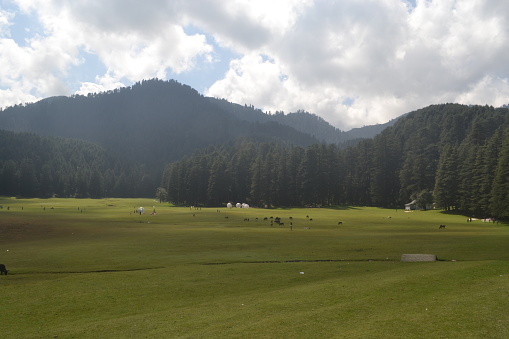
x=353, y=62
x=388, y=57
x=133, y=42
x=489, y=90
x=101, y=84
x=11, y=97
x=5, y=17
x=244, y=25
x=242, y=83
x=329, y=56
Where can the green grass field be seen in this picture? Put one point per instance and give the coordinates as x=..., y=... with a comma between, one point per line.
x=94, y=269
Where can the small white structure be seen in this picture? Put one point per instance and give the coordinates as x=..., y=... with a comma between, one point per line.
x=238, y=205
x=411, y=206
x=245, y=205
x=229, y=205
x=140, y=210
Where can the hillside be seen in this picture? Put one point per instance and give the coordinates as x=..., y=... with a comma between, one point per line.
x=41, y=166
x=304, y=122
x=153, y=121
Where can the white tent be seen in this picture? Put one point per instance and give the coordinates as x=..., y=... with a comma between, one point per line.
x=140, y=210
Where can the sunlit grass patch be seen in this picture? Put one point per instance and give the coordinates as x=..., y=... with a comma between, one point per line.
x=93, y=268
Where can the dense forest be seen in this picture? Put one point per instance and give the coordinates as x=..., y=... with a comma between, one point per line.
x=452, y=155
x=38, y=166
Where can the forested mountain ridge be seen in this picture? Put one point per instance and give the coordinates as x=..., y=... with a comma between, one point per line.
x=153, y=121
x=305, y=122
x=145, y=126
x=453, y=155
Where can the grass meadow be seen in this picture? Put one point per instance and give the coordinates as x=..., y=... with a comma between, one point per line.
x=94, y=269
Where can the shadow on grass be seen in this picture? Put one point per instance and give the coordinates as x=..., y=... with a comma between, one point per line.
x=343, y=208
x=96, y=271
x=503, y=222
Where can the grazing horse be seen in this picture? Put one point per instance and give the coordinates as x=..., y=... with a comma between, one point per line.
x=3, y=270
x=441, y=226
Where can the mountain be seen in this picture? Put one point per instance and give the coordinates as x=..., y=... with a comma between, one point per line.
x=153, y=121
x=304, y=122
x=142, y=127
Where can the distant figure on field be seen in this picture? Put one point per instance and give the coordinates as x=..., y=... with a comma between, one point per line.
x=3, y=270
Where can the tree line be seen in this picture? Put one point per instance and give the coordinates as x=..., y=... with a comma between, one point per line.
x=452, y=155
x=41, y=166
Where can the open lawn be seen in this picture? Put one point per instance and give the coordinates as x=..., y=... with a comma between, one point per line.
x=95, y=269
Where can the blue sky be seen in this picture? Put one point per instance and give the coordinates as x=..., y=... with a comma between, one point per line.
x=352, y=62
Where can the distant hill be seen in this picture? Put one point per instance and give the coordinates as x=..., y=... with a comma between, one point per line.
x=153, y=121
x=304, y=122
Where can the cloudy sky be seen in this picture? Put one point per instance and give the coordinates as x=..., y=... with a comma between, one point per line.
x=353, y=62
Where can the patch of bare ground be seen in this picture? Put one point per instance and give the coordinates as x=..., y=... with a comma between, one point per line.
x=15, y=230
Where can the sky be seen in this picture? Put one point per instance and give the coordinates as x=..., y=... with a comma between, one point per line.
x=352, y=62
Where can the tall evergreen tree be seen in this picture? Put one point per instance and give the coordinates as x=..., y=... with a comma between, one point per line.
x=385, y=171
x=219, y=183
x=447, y=180
x=28, y=182
x=309, y=176
x=96, y=185
x=500, y=191
x=9, y=179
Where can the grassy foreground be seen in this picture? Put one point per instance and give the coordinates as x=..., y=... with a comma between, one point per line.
x=95, y=269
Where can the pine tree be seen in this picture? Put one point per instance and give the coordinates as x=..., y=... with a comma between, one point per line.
x=219, y=183
x=385, y=171
x=28, y=182
x=500, y=191
x=96, y=185
x=309, y=176
x=9, y=179
x=446, y=183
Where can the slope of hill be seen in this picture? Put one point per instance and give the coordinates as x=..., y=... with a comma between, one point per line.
x=42, y=166
x=153, y=121
x=304, y=122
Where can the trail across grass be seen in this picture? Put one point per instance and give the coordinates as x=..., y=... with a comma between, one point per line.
x=96, y=269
